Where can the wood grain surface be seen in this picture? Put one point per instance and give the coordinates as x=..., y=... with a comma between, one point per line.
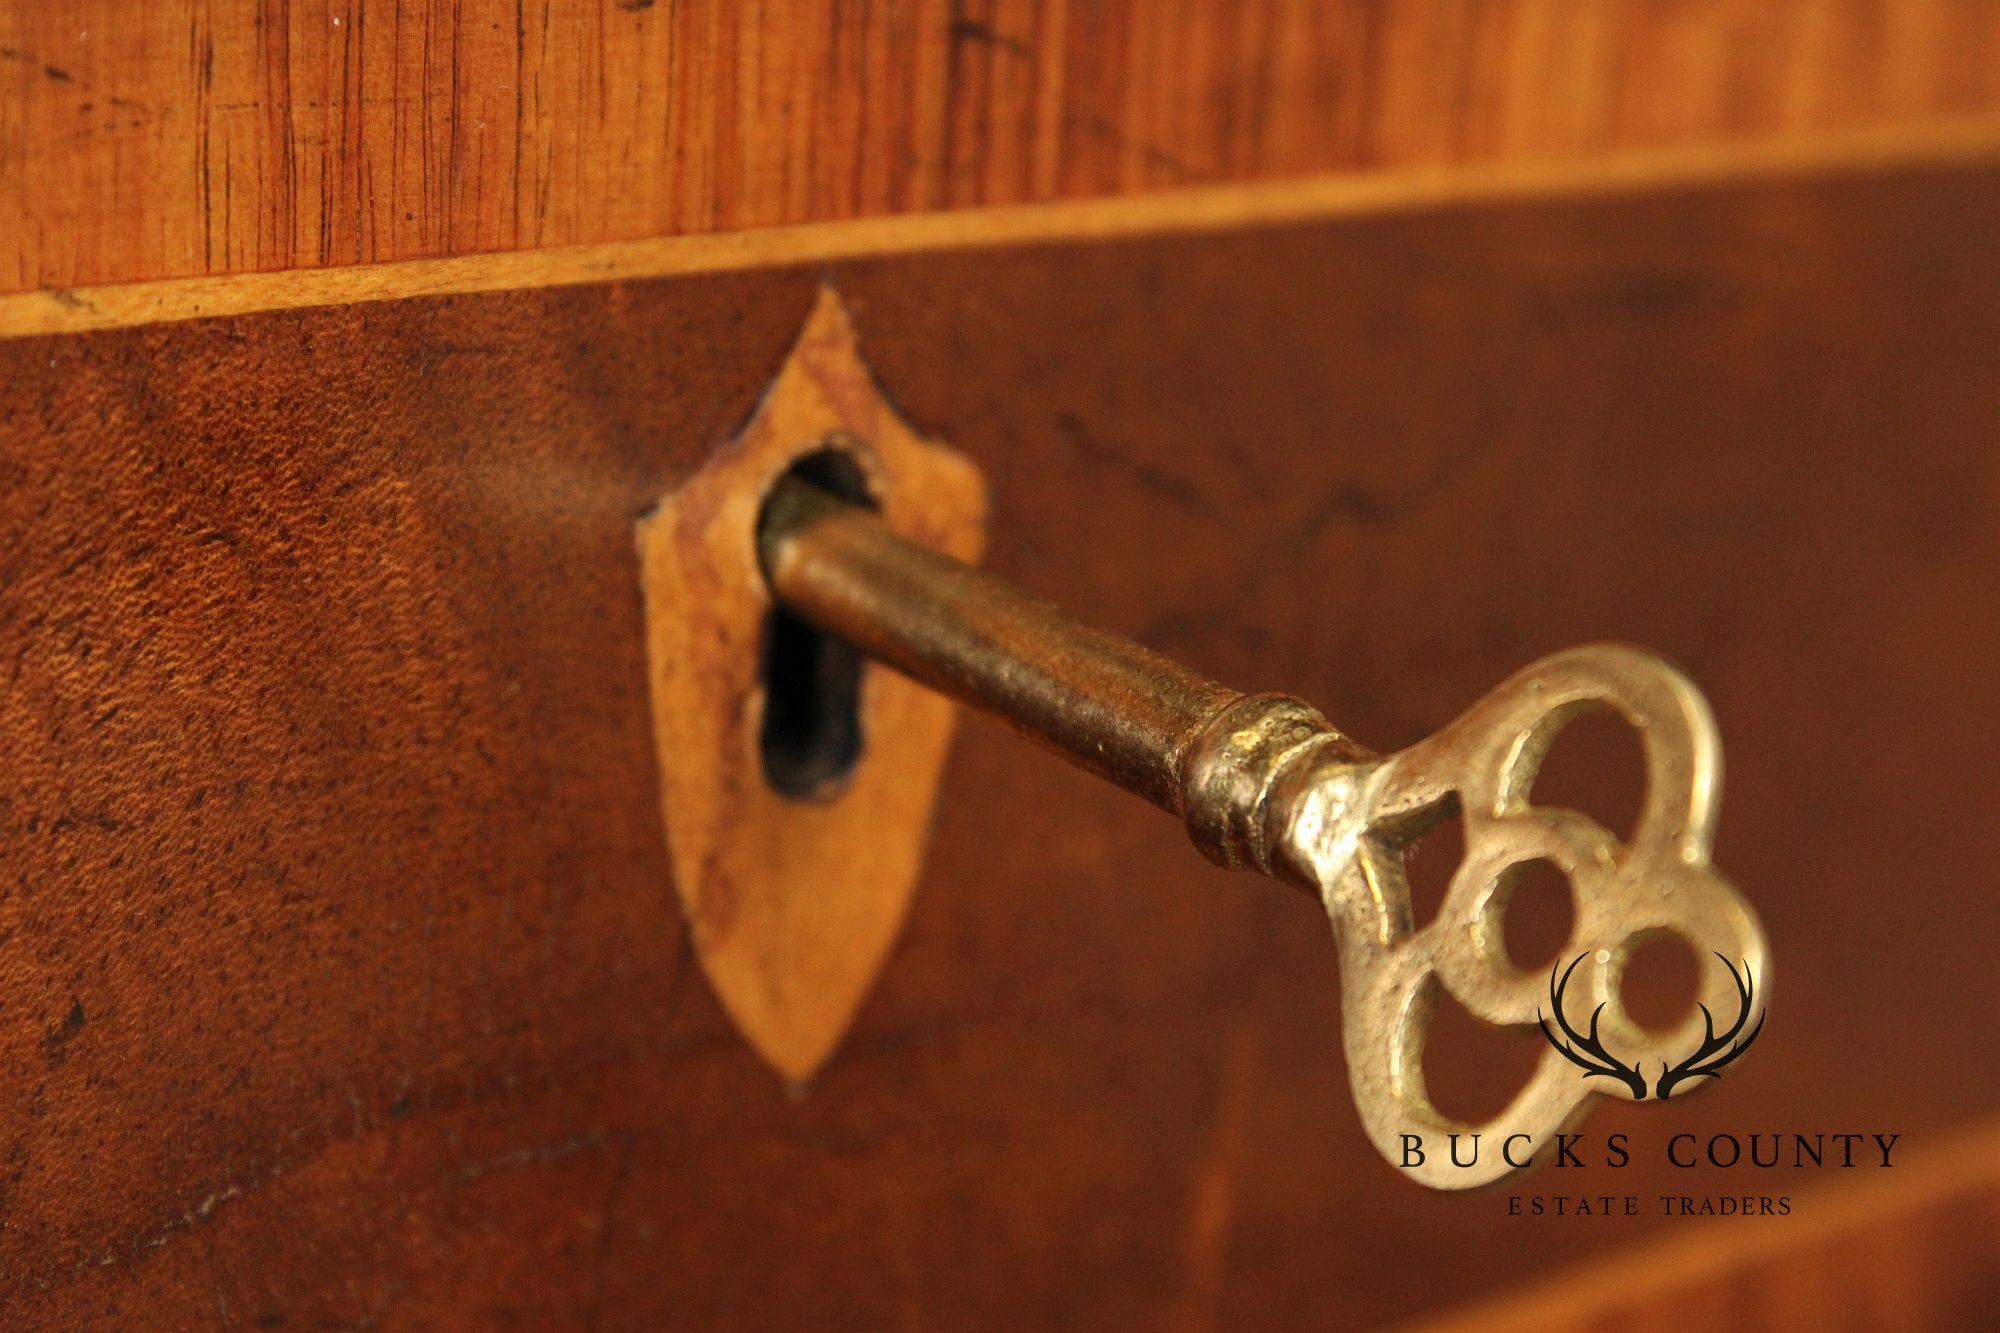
x=187, y=137
x=341, y=979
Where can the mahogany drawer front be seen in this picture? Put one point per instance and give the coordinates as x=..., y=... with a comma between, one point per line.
x=341, y=977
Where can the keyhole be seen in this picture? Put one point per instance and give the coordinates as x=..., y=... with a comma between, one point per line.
x=811, y=736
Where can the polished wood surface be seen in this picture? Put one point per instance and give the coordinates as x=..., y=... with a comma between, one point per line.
x=343, y=978
x=187, y=137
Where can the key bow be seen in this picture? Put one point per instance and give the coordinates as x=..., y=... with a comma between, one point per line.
x=1346, y=822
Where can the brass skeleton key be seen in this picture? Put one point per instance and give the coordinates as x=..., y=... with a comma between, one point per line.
x=1263, y=782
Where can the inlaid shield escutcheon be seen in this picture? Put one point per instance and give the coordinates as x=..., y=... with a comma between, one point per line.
x=793, y=897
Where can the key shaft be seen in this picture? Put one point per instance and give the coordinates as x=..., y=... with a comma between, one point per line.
x=1195, y=748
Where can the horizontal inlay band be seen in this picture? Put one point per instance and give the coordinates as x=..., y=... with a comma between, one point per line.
x=1206, y=209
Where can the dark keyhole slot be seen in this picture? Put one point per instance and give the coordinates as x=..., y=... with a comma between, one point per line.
x=812, y=680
